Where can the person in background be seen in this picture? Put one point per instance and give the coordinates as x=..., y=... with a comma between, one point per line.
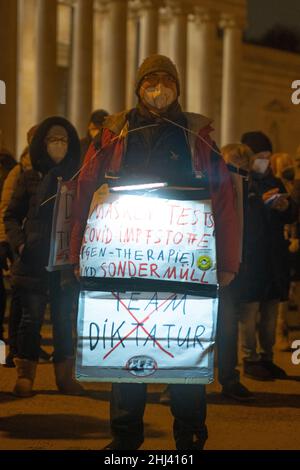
x=7, y=162
x=261, y=280
x=283, y=167
x=238, y=156
x=15, y=312
x=54, y=153
x=94, y=127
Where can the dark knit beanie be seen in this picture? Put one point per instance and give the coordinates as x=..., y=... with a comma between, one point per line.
x=98, y=116
x=257, y=141
x=156, y=63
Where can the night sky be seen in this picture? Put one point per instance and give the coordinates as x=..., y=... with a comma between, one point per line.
x=263, y=14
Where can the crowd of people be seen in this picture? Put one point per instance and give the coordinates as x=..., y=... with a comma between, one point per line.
x=254, y=288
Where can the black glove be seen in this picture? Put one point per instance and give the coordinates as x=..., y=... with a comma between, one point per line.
x=5, y=254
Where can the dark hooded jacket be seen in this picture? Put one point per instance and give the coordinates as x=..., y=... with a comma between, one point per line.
x=26, y=221
x=265, y=271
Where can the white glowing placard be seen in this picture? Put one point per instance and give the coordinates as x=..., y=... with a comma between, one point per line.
x=130, y=236
x=145, y=337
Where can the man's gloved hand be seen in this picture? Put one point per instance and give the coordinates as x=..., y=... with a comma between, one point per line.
x=225, y=278
x=5, y=255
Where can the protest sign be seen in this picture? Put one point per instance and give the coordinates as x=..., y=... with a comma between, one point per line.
x=145, y=337
x=153, y=238
x=61, y=226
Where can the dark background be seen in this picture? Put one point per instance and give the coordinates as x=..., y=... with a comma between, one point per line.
x=274, y=23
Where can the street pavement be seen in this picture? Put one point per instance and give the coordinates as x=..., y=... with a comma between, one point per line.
x=51, y=421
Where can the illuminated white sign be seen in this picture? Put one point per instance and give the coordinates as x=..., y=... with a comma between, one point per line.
x=145, y=336
x=130, y=236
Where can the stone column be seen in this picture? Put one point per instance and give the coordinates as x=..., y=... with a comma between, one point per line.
x=204, y=74
x=46, y=69
x=114, y=57
x=26, y=95
x=8, y=73
x=132, y=57
x=99, y=32
x=82, y=66
x=148, y=28
x=178, y=42
x=164, y=27
x=230, y=108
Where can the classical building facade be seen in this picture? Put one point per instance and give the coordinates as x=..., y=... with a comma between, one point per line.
x=69, y=57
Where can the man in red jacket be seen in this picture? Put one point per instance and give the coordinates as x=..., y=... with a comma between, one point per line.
x=172, y=150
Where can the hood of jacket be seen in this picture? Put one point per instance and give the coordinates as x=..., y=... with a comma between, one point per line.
x=40, y=159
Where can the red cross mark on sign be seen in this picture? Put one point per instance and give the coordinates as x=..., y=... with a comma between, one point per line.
x=140, y=324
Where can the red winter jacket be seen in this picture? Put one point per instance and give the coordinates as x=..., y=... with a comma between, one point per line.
x=106, y=155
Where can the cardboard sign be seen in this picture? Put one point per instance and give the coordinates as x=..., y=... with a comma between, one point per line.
x=61, y=226
x=133, y=236
x=145, y=337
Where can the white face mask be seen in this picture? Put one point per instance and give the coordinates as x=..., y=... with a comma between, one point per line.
x=260, y=165
x=57, y=150
x=159, y=96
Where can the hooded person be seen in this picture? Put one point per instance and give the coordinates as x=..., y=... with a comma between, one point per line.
x=263, y=278
x=140, y=144
x=54, y=152
x=15, y=310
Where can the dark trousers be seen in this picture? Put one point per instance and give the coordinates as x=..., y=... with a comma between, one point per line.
x=15, y=315
x=188, y=406
x=2, y=303
x=227, y=336
x=34, y=305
